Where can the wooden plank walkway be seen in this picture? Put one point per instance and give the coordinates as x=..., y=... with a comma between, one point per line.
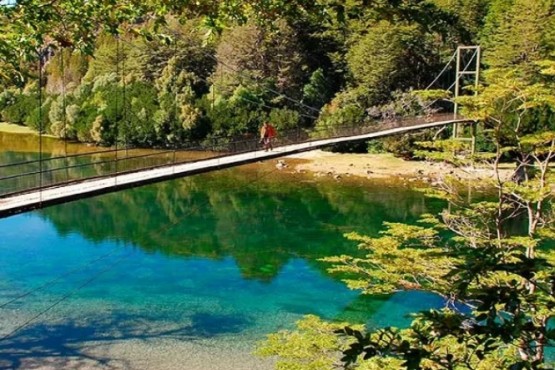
x=64, y=193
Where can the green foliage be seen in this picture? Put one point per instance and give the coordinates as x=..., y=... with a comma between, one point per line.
x=284, y=119
x=318, y=90
x=471, y=13
x=333, y=117
x=501, y=275
x=147, y=59
x=177, y=115
x=515, y=33
x=108, y=58
x=141, y=105
x=405, y=146
x=384, y=59
x=20, y=107
x=404, y=258
x=6, y=99
x=38, y=119
x=313, y=347
x=65, y=71
x=252, y=56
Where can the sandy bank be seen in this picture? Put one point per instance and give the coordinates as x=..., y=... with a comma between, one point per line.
x=15, y=129
x=376, y=166
x=11, y=128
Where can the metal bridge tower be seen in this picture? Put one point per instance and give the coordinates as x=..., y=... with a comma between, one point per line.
x=474, y=62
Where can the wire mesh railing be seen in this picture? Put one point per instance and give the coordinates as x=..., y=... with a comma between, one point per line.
x=32, y=175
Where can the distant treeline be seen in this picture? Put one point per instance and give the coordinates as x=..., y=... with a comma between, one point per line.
x=359, y=65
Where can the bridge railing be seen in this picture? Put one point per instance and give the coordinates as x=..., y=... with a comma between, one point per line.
x=45, y=172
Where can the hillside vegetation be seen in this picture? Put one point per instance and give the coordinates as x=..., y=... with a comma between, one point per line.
x=194, y=72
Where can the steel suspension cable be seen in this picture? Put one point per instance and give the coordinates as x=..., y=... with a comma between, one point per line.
x=40, y=125
x=456, y=79
x=464, y=70
x=64, y=108
x=124, y=102
x=116, y=117
x=443, y=70
x=64, y=114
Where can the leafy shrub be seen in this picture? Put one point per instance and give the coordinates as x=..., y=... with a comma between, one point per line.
x=20, y=109
x=38, y=119
x=284, y=119
x=404, y=146
x=6, y=99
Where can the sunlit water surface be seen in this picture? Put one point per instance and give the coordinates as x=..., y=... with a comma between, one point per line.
x=191, y=273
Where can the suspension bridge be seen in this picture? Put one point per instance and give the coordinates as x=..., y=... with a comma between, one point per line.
x=30, y=184
x=48, y=180
x=45, y=188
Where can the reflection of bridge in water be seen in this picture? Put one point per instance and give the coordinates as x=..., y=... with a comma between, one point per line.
x=38, y=183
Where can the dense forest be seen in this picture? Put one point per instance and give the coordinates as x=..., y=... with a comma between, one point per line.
x=297, y=65
x=161, y=73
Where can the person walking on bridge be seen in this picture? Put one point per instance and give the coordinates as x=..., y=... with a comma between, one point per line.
x=267, y=134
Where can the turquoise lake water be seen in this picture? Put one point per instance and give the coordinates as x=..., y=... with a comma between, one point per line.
x=191, y=273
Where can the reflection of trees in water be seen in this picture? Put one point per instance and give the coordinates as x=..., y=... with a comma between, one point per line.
x=29, y=144
x=361, y=308
x=59, y=164
x=261, y=224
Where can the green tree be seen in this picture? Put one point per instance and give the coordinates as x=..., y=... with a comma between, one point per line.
x=471, y=13
x=317, y=91
x=188, y=47
x=504, y=277
x=387, y=57
x=252, y=56
x=518, y=32
x=177, y=115
x=65, y=70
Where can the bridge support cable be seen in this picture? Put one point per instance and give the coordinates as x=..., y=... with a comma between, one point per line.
x=248, y=152
x=438, y=76
x=456, y=84
x=447, y=65
x=467, y=65
x=175, y=100
x=229, y=144
x=41, y=126
x=64, y=113
x=273, y=91
x=115, y=171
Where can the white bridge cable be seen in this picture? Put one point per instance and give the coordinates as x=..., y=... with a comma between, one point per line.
x=442, y=71
x=464, y=70
x=457, y=78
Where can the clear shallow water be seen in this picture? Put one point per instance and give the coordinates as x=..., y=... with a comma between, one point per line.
x=217, y=260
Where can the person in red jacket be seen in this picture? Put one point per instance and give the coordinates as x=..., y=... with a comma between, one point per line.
x=267, y=134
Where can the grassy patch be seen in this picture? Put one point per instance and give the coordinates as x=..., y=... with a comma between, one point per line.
x=15, y=129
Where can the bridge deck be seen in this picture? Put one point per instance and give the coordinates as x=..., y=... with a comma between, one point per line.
x=60, y=194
